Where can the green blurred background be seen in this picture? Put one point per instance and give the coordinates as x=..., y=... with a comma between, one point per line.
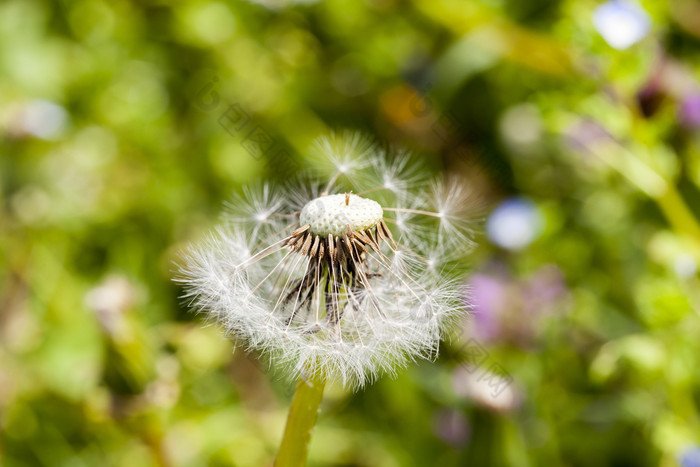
x=125, y=125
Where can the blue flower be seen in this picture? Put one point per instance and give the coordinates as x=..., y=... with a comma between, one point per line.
x=621, y=23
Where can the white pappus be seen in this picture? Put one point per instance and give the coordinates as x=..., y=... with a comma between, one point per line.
x=347, y=279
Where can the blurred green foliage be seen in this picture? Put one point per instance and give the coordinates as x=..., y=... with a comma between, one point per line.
x=113, y=156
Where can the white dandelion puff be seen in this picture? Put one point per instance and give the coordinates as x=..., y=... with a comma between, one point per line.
x=342, y=155
x=393, y=175
x=258, y=209
x=336, y=285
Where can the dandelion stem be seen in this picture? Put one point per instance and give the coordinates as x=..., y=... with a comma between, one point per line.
x=300, y=422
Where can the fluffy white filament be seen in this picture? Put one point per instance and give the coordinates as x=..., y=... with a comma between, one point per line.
x=352, y=320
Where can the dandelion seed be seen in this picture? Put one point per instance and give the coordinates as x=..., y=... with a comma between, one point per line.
x=343, y=284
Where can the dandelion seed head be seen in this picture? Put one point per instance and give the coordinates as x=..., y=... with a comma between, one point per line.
x=332, y=214
x=343, y=282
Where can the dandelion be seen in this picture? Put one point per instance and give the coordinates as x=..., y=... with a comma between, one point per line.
x=341, y=281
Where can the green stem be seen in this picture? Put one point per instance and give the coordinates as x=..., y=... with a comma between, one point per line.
x=300, y=422
x=658, y=188
x=679, y=214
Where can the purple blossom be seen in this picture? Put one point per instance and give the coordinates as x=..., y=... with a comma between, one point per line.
x=584, y=134
x=452, y=427
x=506, y=308
x=690, y=457
x=689, y=113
